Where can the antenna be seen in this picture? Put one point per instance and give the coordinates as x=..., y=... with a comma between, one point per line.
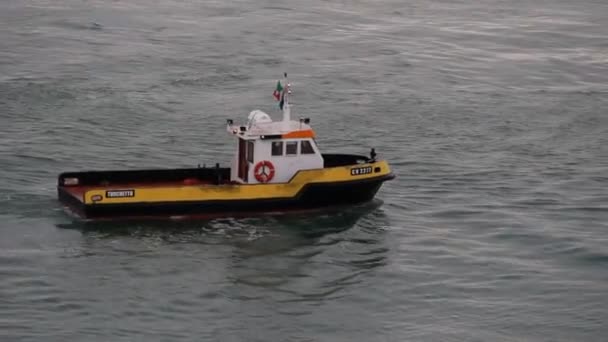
x=284, y=100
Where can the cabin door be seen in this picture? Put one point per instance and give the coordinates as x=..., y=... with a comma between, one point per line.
x=243, y=165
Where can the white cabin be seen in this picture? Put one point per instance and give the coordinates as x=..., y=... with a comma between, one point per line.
x=273, y=151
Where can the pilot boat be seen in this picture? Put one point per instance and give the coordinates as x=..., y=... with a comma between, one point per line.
x=277, y=167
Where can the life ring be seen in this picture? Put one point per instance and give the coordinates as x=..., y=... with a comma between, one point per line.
x=264, y=171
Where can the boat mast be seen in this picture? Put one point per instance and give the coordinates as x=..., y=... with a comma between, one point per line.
x=286, y=92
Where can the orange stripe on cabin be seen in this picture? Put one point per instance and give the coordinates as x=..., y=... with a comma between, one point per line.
x=307, y=133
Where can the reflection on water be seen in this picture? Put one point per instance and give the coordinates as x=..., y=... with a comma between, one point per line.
x=309, y=266
x=291, y=258
x=311, y=224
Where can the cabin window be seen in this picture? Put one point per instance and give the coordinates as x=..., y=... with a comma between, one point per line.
x=306, y=147
x=277, y=148
x=291, y=147
x=250, y=151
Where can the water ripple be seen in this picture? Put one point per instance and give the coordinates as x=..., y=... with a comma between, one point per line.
x=492, y=115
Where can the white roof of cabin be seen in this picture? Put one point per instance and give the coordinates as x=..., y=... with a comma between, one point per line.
x=279, y=127
x=260, y=123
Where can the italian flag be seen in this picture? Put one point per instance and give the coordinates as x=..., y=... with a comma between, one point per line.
x=277, y=92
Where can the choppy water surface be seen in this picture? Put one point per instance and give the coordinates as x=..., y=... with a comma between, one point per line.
x=492, y=113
